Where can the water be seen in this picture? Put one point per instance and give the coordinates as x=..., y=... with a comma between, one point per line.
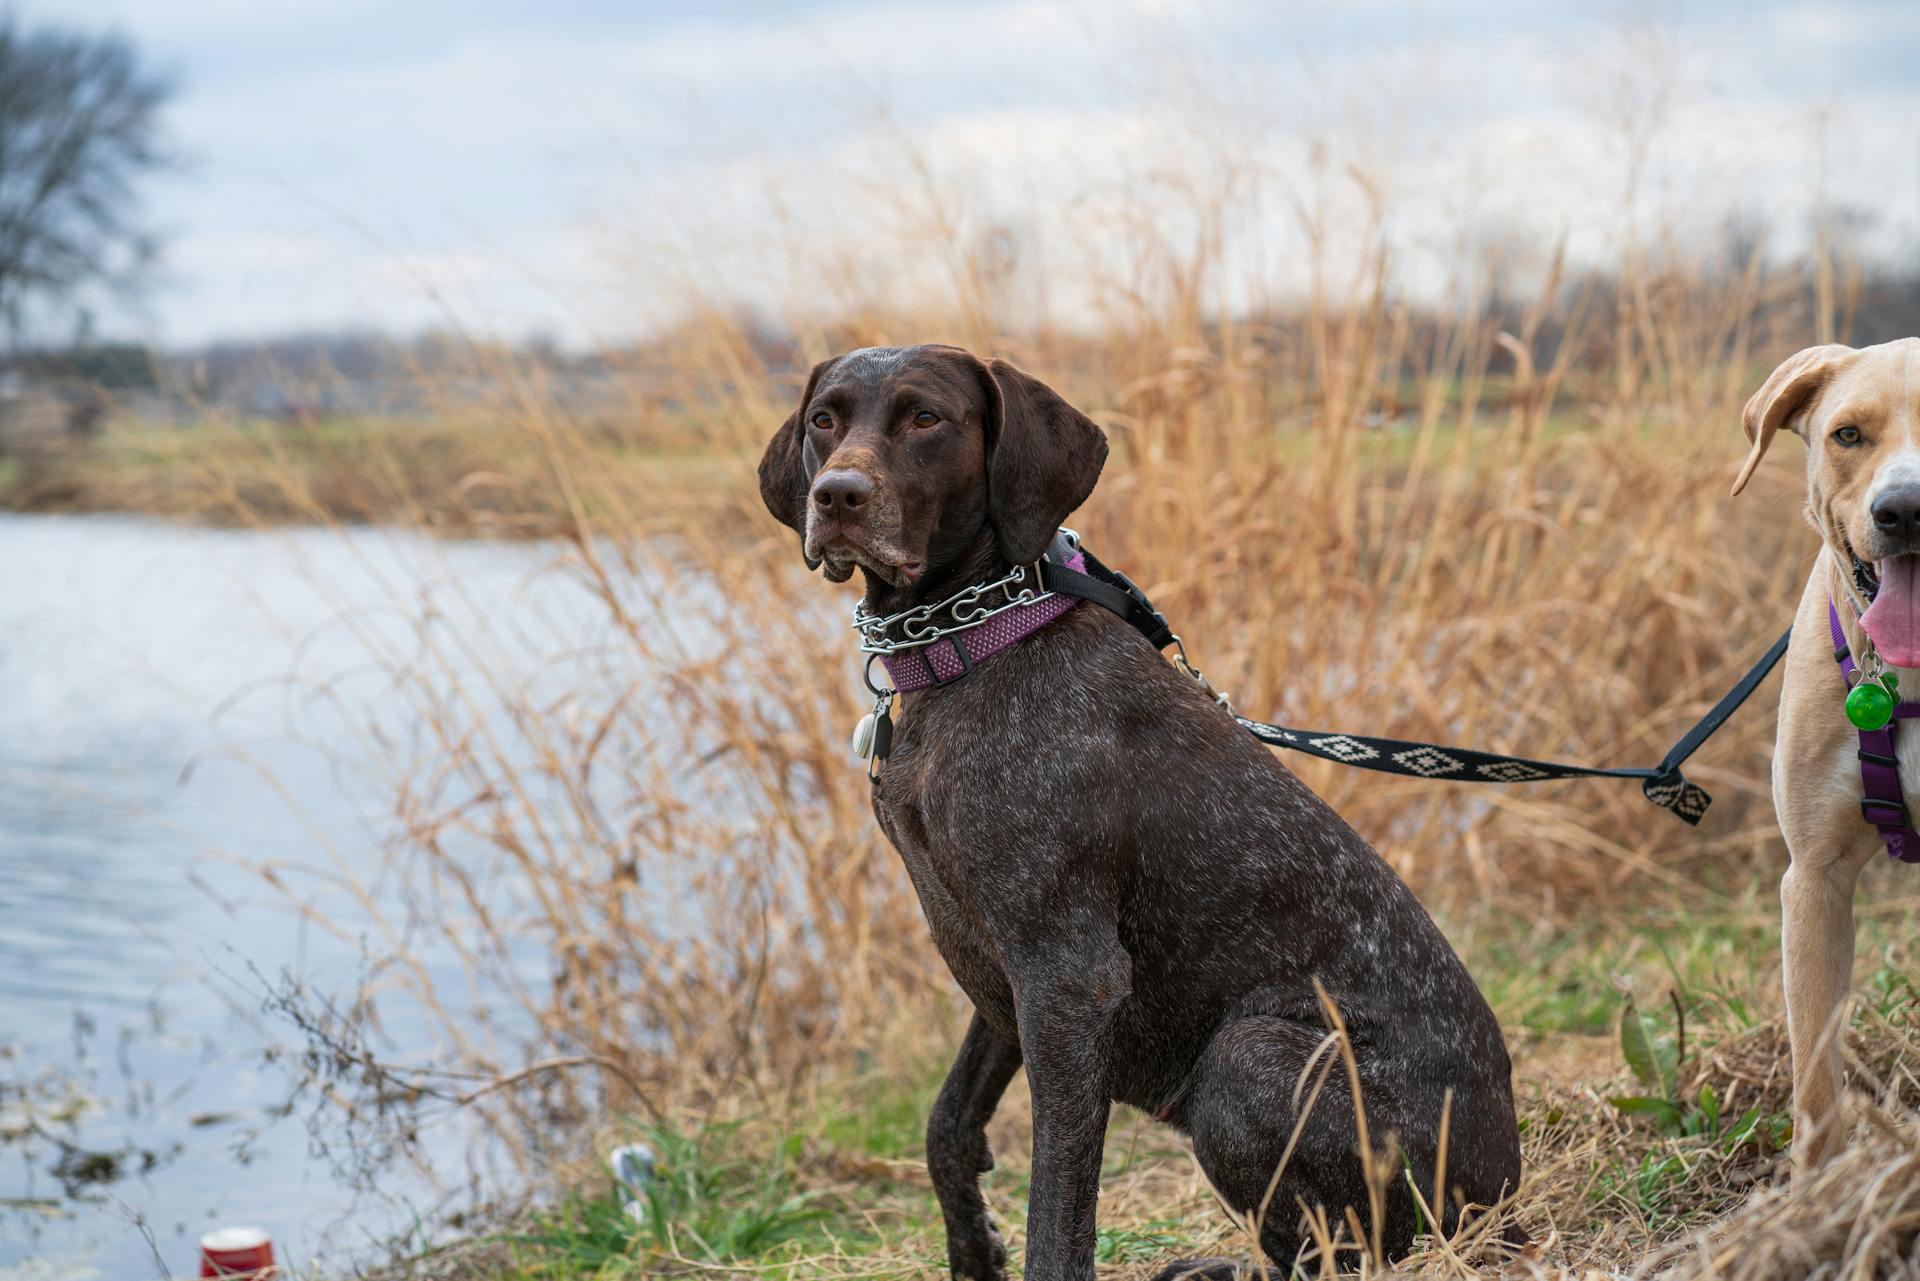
x=163, y=736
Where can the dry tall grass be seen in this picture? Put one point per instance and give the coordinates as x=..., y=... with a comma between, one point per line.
x=1475, y=522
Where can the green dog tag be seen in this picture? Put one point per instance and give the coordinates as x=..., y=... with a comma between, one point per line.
x=1870, y=705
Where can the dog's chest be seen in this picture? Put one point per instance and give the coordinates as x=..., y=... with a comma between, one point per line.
x=953, y=923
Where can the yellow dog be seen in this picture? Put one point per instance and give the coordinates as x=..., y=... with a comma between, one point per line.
x=1859, y=413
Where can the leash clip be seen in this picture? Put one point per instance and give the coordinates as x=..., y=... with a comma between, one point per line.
x=1189, y=670
x=873, y=735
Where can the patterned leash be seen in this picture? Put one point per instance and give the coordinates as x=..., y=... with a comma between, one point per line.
x=1663, y=784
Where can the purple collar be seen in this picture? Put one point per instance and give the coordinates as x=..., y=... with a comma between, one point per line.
x=952, y=656
x=1883, y=806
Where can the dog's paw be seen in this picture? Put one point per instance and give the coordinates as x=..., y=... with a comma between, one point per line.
x=983, y=1258
x=1215, y=1269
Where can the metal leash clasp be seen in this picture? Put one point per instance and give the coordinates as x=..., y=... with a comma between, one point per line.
x=1188, y=669
x=873, y=736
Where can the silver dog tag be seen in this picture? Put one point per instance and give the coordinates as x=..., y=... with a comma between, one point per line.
x=863, y=738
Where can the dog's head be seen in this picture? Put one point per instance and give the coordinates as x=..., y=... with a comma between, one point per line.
x=899, y=460
x=1859, y=413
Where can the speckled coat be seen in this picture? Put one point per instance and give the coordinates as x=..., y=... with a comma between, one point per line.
x=1135, y=894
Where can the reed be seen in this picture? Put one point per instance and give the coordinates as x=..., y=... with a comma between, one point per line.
x=1496, y=518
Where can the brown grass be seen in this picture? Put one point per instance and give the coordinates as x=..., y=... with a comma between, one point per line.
x=1426, y=522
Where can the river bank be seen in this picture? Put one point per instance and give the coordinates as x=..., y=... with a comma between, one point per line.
x=469, y=474
x=1632, y=1163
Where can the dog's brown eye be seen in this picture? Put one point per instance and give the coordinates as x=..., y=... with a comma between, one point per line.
x=925, y=418
x=1848, y=435
x=823, y=421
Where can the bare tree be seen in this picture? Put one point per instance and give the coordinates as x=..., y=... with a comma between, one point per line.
x=79, y=126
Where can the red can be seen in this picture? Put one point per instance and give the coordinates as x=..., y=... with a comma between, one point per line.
x=237, y=1252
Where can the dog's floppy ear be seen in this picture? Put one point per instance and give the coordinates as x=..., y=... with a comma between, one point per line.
x=1784, y=399
x=1046, y=456
x=784, y=479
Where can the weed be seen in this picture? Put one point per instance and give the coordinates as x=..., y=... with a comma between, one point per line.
x=696, y=1204
x=1138, y=1243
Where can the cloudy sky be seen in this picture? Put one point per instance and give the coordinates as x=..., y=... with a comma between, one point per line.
x=578, y=169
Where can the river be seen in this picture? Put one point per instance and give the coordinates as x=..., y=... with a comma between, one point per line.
x=173, y=704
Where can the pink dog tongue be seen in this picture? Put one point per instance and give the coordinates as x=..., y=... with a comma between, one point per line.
x=1893, y=620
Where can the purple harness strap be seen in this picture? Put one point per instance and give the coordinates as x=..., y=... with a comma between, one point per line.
x=951, y=657
x=1883, y=806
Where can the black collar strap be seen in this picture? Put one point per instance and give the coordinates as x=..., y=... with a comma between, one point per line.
x=1105, y=587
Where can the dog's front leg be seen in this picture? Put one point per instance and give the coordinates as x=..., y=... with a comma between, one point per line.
x=957, y=1153
x=1816, y=959
x=1067, y=995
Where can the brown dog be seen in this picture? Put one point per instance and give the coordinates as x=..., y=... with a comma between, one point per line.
x=1859, y=413
x=1143, y=904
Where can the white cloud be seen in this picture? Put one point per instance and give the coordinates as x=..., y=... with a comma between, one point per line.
x=568, y=172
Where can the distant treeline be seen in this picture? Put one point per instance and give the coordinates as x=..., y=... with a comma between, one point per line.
x=1733, y=304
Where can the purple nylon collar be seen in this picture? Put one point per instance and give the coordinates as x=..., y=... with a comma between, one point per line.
x=951, y=657
x=1883, y=806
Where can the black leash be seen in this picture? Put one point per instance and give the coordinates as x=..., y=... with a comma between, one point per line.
x=1663, y=784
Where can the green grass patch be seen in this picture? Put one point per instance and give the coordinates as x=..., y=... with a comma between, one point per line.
x=882, y=1115
x=1571, y=979
x=704, y=1202
x=1139, y=1243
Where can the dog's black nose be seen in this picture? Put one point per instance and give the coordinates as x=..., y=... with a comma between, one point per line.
x=844, y=491
x=1898, y=510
